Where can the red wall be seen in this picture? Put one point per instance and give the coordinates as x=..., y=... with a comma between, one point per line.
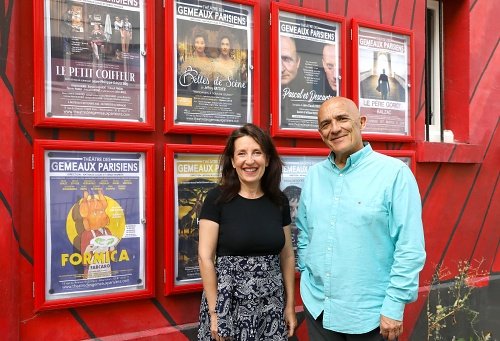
x=460, y=198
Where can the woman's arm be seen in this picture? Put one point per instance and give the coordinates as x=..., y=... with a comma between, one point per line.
x=208, y=235
x=288, y=270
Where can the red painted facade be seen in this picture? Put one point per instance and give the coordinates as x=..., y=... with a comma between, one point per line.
x=459, y=182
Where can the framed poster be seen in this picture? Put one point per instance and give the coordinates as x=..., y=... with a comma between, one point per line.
x=297, y=162
x=212, y=60
x=93, y=68
x=94, y=222
x=307, y=67
x=383, y=75
x=191, y=171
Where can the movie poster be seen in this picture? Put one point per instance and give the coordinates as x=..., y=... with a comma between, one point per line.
x=213, y=81
x=383, y=68
x=294, y=171
x=94, y=66
x=194, y=176
x=94, y=232
x=309, y=68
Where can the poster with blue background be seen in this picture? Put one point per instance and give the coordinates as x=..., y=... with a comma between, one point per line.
x=94, y=222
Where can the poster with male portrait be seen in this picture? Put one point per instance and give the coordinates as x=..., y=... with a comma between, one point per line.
x=383, y=81
x=309, y=68
x=94, y=65
x=194, y=176
x=294, y=171
x=212, y=63
x=95, y=230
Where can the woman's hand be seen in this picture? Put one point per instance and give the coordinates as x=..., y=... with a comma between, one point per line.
x=213, y=327
x=290, y=320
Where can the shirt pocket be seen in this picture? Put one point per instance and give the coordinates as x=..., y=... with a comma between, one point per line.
x=364, y=213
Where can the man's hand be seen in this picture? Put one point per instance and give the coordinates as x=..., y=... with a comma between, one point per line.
x=390, y=329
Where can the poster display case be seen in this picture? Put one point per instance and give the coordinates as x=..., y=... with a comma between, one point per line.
x=93, y=222
x=94, y=64
x=212, y=65
x=191, y=171
x=307, y=67
x=383, y=75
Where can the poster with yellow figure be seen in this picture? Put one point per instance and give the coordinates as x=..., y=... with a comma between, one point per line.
x=195, y=175
x=95, y=239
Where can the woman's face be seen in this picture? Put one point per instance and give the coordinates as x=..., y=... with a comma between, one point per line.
x=199, y=45
x=249, y=160
x=225, y=47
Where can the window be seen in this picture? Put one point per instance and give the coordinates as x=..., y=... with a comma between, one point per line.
x=433, y=72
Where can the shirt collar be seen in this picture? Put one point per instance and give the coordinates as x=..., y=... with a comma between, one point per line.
x=353, y=158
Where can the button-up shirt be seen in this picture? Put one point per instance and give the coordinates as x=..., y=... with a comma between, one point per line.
x=360, y=245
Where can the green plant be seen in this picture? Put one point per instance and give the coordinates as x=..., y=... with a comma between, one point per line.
x=443, y=315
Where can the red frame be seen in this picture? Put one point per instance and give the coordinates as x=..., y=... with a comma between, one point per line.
x=39, y=81
x=289, y=151
x=356, y=24
x=40, y=146
x=275, y=63
x=170, y=205
x=169, y=126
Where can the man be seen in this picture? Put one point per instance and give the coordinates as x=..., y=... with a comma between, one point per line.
x=360, y=244
x=383, y=85
x=290, y=61
x=329, y=61
x=292, y=192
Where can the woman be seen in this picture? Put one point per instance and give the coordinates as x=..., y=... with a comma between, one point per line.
x=225, y=66
x=126, y=34
x=198, y=60
x=245, y=250
x=96, y=40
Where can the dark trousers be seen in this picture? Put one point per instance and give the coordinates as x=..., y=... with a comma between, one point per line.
x=318, y=333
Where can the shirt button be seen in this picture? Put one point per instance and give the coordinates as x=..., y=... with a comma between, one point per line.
x=341, y=175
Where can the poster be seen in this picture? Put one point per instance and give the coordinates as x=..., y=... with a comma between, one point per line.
x=95, y=68
x=195, y=175
x=213, y=81
x=95, y=223
x=309, y=50
x=383, y=68
x=294, y=171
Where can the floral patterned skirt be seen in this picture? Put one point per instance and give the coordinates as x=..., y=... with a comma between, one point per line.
x=250, y=300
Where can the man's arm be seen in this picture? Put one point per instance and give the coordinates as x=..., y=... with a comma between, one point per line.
x=409, y=255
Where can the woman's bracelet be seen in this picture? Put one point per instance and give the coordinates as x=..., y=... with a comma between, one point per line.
x=212, y=312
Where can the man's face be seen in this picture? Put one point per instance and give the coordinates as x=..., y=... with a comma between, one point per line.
x=330, y=65
x=340, y=125
x=294, y=205
x=290, y=61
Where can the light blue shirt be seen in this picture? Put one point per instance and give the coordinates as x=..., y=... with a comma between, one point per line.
x=360, y=245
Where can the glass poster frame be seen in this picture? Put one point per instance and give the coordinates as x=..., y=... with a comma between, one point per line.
x=191, y=171
x=383, y=75
x=307, y=67
x=94, y=222
x=93, y=68
x=212, y=60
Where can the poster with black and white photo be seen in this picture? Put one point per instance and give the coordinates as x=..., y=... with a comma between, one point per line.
x=95, y=65
x=95, y=223
x=194, y=176
x=213, y=63
x=383, y=73
x=309, y=66
x=294, y=171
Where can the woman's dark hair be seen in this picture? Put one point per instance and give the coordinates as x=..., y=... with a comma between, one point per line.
x=270, y=182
